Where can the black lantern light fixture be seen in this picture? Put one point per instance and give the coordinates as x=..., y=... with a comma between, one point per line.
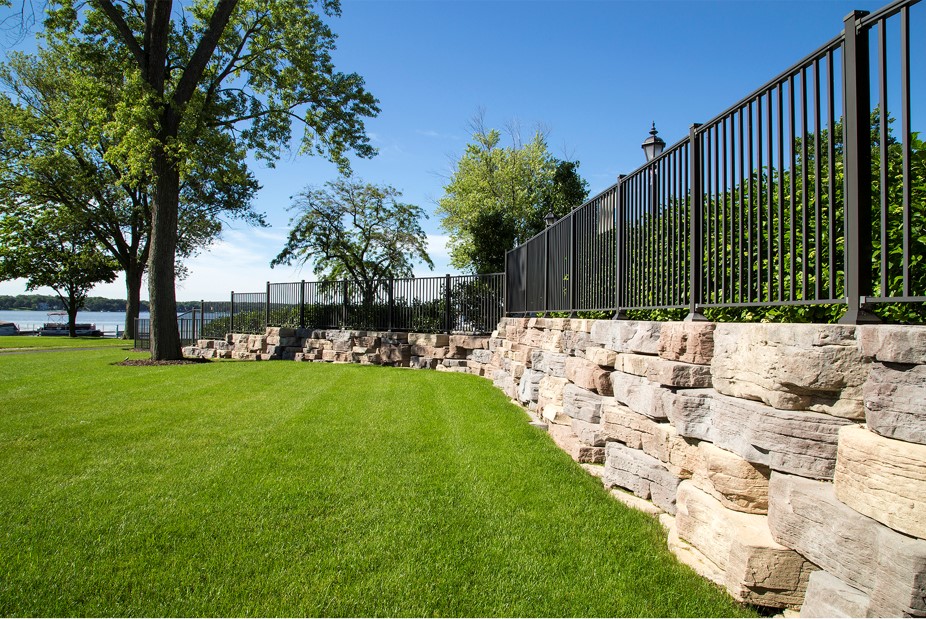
x=653, y=145
x=549, y=219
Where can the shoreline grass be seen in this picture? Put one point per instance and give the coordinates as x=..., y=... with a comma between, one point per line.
x=10, y=343
x=306, y=490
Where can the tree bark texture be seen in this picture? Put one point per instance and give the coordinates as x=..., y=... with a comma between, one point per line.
x=165, y=336
x=133, y=277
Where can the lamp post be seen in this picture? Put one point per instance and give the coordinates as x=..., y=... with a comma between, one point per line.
x=549, y=219
x=653, y=145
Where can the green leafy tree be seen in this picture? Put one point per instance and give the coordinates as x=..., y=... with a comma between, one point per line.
x=356, y=231
x=245, y=70
x=498, y=196
x=53, y=153
x=53, y=249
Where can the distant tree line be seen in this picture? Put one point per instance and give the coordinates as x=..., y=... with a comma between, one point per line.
x=47, y=303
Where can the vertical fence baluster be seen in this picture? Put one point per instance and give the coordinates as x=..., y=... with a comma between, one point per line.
x=695, y=214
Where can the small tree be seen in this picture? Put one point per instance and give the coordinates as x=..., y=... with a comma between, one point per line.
x=355, y=231
x=54, y=250
x=498, y=196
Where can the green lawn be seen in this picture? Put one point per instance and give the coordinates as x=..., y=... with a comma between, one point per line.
x=29, y=342
x=305, y=489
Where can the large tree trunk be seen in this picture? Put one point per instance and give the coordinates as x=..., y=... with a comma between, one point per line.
x=133, y=276
x=72, y=306
x=165, y=337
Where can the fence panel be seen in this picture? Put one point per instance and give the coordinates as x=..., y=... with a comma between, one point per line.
x=896, y=37
x=249, y=312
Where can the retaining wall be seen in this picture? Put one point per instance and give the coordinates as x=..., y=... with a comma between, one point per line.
x=787, y=462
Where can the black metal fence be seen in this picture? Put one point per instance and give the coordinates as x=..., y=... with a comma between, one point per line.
x=805, y=192
x=462, y=303
x=209, y=321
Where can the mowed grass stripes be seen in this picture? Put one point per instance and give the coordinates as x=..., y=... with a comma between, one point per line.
x=306, y=489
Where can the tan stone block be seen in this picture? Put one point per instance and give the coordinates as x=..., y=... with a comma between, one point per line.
x=692, y=342
x=883, y=478
x=893, y=343
x=566, y=440
x=663, y=371
x=588, y=375
x=792, y=366
x=894, y=397
x=739, y=485
x=756, y=569
x=601, y=356
x=580, y=325
x=554, y=414
x=435, y=340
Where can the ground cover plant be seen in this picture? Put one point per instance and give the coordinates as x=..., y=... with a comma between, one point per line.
x=305, y=489
x=31, y=342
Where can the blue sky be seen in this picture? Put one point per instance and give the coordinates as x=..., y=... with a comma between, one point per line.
x=594, y=73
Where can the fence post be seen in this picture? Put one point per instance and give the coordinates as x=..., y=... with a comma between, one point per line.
x=505, y=305
x=344, y=305
x=231, y=314
x=267, y=308
x=202, y=318
x=857, y=102
x=546, y=269
x=391, y=302
x=572, y=263
x=618, y=222
x=695, y=214
x=447, y=320
x=302, y=304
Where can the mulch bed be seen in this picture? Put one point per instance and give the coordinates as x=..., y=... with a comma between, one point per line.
x=174, y=362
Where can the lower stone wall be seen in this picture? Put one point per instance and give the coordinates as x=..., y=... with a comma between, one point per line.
x=787, y=462
x=448, y=353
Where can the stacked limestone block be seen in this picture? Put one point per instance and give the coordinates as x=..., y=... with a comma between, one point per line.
x=210, y=349
x=867, y=529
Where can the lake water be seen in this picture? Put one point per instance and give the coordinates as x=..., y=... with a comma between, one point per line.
x=107, y=322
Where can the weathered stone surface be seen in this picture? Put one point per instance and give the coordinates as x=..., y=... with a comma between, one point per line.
x=582, y=404
x=688, y=554
x=628, y=336
x=792, y=367
x=472, y=342
x=886, y=565
x=894, y=401
x=588, y=375
x=552, y=341
x=554, y=414
x=550, y=391
x=481, y=356
x=797, y=442
x=529, y=386
x=893, y=343
x=639, y=394
x=601, y=356
x=689, y=410
x=755, y=568
x=501, y=379
x=665, y=372
x=435, y=340
x=566, y=440
x=422, y=363
x=589, y=433
x=575, y=342
x=883, y=478
x=550, y=363
x=739, y=485
x=641, y=474
x=398, y=354
x=827, y=596
x=632, y=429
x=580, y=325
x=691, y=342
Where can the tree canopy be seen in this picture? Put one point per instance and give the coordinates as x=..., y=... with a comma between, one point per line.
x=498, y=196
x=231, y=75
x=55, y=153
x=356, y=231
x=53, y=249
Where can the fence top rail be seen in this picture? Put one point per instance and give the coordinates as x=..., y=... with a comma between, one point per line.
x=886, y=11
x=380, y=281
x=785, y=75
